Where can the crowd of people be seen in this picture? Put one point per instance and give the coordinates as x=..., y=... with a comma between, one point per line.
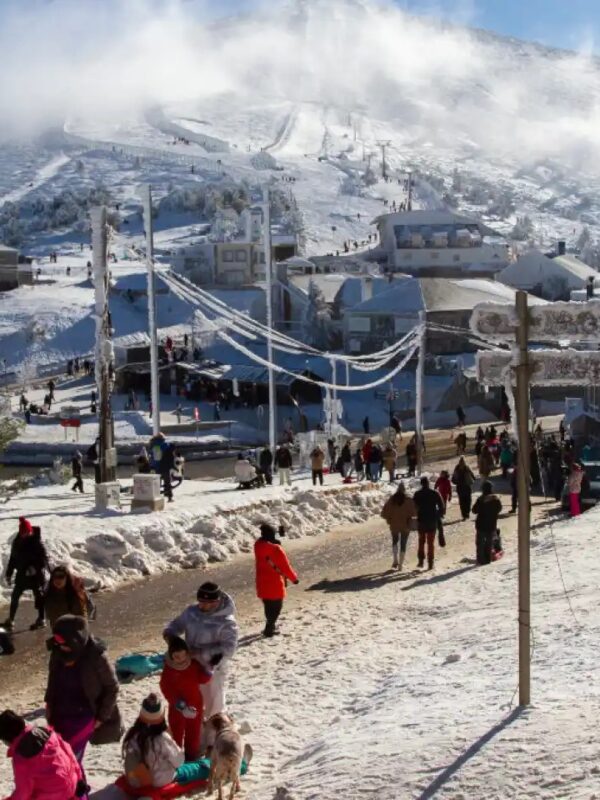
x=178, y=725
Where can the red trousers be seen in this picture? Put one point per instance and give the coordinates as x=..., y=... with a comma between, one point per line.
x=186, y=733
x=428, y=537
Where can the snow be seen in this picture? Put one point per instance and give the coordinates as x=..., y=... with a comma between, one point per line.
x=207, y=522
x=406, y=687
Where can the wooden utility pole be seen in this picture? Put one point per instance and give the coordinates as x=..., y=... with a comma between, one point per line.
x=523, y=477
x=152, y=328
x=268, y=248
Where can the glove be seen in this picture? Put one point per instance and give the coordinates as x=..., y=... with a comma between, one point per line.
x=216, y=659
x=296, y=582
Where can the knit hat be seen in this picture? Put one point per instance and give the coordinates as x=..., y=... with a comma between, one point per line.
x=152, y=711
x=71, y=631
x=209, y=591
x=25, y=528
x=267, y=532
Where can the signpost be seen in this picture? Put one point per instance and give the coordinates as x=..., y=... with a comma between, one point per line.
x=553, y=322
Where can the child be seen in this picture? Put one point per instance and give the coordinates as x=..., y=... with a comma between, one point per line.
x=180, y=683
x=150, y=754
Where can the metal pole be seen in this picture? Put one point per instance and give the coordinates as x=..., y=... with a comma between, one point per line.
x=523, y=477
x=103, y=355
x=334, y=416
x=269, y=287
x=154, y=390
x=419, y=393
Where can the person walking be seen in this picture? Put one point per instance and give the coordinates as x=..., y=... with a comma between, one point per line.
x=151, y=756
x=180, y=684
x=461, y=417
x=366, y=426
x=66, y=594
x=411, y=456
x=399, y=511
x=346, y=460
x=77, y=470
x=317, y=460
x=359, y=466
x=51, y=388
x=463, y=478
x=273, y=570
x=283, y=463
x=375, y=461
x=506, y=457
x=487, y=508
x=366, y=456
x=443, y=486
x=93, y=455
x=265, y=462
x=486, y=462
x=28, y=562
x=390, y=457
x=210, y=630
x=82, y=689
x=574, y=482
x=430, y=507
x=44, y=766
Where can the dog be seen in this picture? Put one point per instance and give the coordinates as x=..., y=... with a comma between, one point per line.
x=225, y=755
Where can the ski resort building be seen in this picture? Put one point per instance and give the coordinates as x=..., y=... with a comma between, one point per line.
x=394, y=307
x=551, y=278
x=13, y=274
x=439, y=244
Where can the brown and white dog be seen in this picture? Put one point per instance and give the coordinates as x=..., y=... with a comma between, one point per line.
x=225, y=755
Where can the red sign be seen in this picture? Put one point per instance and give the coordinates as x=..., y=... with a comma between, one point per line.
x=70, y=423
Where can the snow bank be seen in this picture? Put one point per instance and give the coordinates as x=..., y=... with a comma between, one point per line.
x=209, y=521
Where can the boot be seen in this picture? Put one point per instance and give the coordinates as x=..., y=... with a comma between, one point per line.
x=401, y=561
x=8, y=624
x=430, y=564
x=395, y=554
x=39, y=623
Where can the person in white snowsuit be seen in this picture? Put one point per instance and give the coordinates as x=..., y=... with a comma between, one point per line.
x=211, y=632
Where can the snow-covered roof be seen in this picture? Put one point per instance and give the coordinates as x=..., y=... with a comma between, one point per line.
x=328, y=284
x=576, y=267
x=426, y=217
x=6, y=249
x=533, y=268
x=397, y=297
x=243, y=300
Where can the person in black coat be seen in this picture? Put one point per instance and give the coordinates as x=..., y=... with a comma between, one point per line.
x=430, y=508
x=77, y=469
x=487, y=508
x=167, y=463
x=28, y=562
x=265, y=462
x=82, y=689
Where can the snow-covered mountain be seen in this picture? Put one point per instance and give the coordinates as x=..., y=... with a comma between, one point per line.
x=300, y=94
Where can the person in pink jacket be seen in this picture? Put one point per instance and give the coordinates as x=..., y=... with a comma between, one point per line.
x=44, y=766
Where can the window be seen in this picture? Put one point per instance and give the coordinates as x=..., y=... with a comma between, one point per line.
x=228, y=256
x=241, y=256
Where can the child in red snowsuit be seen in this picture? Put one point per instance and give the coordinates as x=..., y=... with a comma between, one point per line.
x=180, y=684
x=444, y=487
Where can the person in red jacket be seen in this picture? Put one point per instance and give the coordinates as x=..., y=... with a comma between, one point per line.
x=273, y=570
x=180, y=684
x=443, y=485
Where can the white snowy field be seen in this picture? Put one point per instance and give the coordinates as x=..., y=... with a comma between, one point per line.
x=209, y=521
x=403, y=686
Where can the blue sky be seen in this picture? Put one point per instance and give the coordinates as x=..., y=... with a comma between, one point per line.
x=562, y=23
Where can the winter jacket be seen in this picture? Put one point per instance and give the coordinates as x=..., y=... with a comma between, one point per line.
x=283, y=458
x=244, y=471
x=317, y=459
x=44, y=766
x=487, y=507
x=506, y=457
x=375, y=456
x=574, y=481
x=366, y=451
x=28, y=557
x=207, y=633
x=346, y=454
x=486, y=462
x=179, y=684
x=266, y=459
x=430, y=507
x=389, y=458
x=398, y=516
x=272, y=570
x=163, y=757
x=57, y=604
x=463, y=477
x=99, y=683
x=444, y=487
x=76, y=467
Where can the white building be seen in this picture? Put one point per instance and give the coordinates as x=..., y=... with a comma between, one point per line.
x=550, y=278
x=439, y=244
